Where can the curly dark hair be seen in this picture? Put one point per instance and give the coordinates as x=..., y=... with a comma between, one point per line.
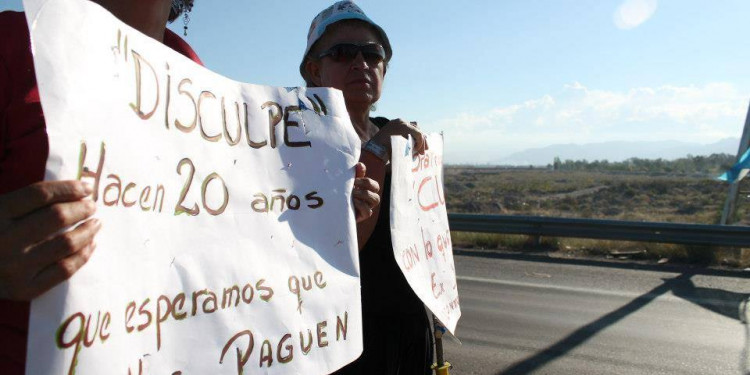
x=183, y=6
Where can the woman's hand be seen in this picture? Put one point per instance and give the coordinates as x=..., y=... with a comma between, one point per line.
x=400, y=127
x=365, y=194
x=35, y=253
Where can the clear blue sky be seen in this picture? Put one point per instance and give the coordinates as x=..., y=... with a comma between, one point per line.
x=499, y=76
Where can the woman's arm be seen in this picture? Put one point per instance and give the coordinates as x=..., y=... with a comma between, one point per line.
x=376, y=167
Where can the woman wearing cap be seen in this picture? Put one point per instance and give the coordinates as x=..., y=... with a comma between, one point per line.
x=34, y=254
x=348, y=51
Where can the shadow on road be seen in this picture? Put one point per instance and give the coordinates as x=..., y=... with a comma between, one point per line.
x=730, y=304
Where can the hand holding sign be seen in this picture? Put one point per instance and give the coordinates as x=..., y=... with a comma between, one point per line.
x=404, y=129
x=365, y=193
x=36, y=255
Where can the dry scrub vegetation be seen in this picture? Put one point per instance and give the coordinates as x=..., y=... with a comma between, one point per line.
x=683, y=198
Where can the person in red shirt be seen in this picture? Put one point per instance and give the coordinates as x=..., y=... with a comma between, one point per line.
x=35, y=254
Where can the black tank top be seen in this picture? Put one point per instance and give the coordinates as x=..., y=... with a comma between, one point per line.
x=385, y=290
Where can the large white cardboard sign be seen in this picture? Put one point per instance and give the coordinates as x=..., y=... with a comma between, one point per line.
x=419, y=228
x=227, y=244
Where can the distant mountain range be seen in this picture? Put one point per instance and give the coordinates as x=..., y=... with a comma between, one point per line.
x=618, y=151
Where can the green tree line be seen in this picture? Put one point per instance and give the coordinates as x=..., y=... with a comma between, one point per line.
x=712, y=164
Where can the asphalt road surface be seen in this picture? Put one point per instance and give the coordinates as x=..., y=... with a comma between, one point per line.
x=526, y=314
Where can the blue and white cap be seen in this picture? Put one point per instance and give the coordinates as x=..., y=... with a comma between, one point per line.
x=342, y=10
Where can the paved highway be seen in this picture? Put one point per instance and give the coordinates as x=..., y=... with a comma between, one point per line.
x=526, y=314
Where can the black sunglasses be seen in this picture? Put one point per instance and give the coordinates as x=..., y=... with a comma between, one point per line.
x=373, y=53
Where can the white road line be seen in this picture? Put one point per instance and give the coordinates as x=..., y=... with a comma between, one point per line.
x=611, y=293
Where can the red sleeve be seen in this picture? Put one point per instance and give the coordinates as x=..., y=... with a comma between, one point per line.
x=176, y=43
x=23, y=154
x=23, y=138
x=4, y=95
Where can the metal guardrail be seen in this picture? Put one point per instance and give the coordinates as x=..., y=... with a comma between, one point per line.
x=676, y=233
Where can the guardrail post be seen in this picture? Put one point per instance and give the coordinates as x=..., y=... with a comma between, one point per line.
x=536, y=241
x=730, y=204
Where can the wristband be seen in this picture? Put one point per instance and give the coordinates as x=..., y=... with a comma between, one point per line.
x=378, y=150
